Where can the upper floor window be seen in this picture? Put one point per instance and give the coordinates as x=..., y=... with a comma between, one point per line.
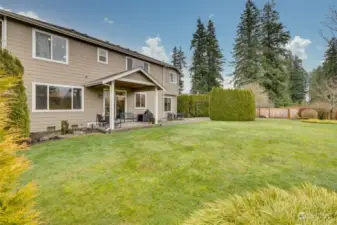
x=173, y=78
x=102, y=55
x=50, y=97
x=134, y=63
x=50, y=47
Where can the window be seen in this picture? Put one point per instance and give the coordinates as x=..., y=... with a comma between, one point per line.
x=167, y=104
x=1, y=34
x=147, y=67
x=102, y=56
x=50, y=47
x=140, y=100
x=129, y=63
x=49, y=97
x=173, y=78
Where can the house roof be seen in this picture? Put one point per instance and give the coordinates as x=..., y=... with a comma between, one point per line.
x=84, y=37
x=119, y=75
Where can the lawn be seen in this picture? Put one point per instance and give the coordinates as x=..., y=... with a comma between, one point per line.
x=161, y=175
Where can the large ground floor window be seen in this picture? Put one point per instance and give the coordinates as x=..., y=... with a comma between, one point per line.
x=55, y=97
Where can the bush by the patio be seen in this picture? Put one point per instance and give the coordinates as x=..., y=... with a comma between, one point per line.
x=232, y=105
x=194, y=105
x=309, y=114
x=16, y=202
x=18, y=116
x=304, y=205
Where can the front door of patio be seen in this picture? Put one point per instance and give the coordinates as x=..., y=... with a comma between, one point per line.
x=120, y=102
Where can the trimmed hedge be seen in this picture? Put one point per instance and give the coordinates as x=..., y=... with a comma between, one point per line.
x=193, y=105
x=232, y=105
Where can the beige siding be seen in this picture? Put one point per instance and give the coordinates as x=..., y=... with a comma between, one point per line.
x=138, y=77
x=82, y=68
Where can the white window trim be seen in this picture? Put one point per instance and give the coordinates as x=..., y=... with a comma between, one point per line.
x=126, y=63
x=106, y=55
x=164, y=104
x=60, y=110
x=148, y=67
x=174, y=80
x=4, y=33
x=51, y=50
x=141, y=93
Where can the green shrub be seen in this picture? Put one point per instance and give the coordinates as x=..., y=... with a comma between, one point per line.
x=309, y=114
x=194, y=105
x=64, y=127
x=323, y=109
x=309, y=205
x=320, y=121
x=232, y=105
x=16, y=202
x=10, y=66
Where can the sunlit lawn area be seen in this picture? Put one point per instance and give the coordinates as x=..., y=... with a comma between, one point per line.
x=161, y=175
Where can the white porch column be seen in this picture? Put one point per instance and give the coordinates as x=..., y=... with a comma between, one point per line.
x=112, y=105
x=156, y=107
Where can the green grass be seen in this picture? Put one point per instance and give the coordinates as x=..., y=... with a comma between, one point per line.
x=162, y=175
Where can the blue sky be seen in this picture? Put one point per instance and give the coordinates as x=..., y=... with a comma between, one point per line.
x=154, y=27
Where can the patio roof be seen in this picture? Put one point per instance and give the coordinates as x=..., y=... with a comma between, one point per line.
x=120, y=77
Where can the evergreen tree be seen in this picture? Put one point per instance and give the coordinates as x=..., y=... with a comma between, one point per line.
x=315, y=79
x=274, y=38
x=298, y=80
x=215, y=59
x=179, y=61
x=246, y=47
x=330, y=60
x=198, y=69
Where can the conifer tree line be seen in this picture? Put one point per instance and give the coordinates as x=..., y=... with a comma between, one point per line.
x=260, y=56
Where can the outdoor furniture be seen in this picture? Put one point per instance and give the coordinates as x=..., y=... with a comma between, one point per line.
x=128, y=117
x=118, y=122
x=101, y=121
x=147, y=116
x=140, y=117
x=180, y=116
x=171, y=116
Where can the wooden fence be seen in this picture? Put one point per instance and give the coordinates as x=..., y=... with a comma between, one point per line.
x=286, y=113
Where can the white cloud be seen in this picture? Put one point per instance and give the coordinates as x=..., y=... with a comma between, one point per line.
x=154, y=48
x=107, y=20
x=211, y=15
x=30, y=14
x=298, y=46
x=227, y=82
x=5, y=9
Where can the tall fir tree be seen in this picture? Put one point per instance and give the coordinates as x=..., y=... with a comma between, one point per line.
x=179, y=61
x=198, y=69
x=330, y=60
x=246, y=47
x=274, y=37
x=298, y=79
x=215, y=60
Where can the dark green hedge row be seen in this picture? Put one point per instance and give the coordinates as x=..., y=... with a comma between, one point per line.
x=194, y=105
x=232, y=105
x=19, y=114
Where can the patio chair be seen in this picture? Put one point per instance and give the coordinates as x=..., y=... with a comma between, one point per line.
x=101, y=121
x=118, y=121
x=171, y=116
x=128, y=117
x=180, y=116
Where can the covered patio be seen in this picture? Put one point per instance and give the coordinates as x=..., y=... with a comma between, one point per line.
x=127, y=83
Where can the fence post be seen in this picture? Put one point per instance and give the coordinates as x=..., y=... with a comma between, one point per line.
x=268, y=112
x=288, y=113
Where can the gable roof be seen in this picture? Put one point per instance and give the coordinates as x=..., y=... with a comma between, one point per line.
x=116, y=76
x=84, y=37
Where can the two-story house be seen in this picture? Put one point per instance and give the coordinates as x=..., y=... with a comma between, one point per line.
x=72, y=76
